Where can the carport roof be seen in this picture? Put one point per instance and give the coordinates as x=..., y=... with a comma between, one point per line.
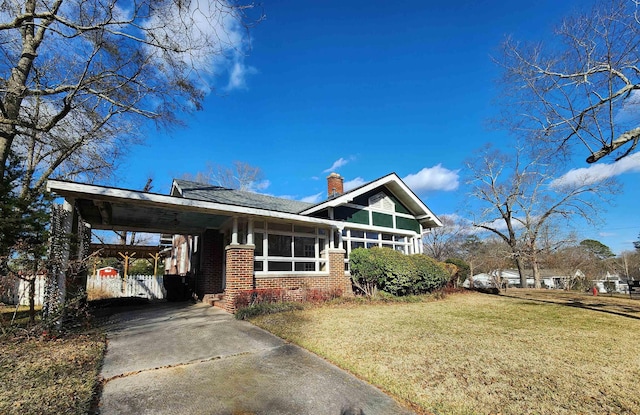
x=110, y=208
x=217, y=194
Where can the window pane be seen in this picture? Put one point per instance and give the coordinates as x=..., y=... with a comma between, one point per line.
x=322, y=231
x=372, y=235
x=304, y=229
x=282, y=227
x=355, y=245
x=305, y=266
x=357, y=234
x=400, y=238
x=258, y=266
x=279, y=245
x=304, y=247
x=387, y=237
x=371, y=244
x=322, y=245
x=257, y=240
x=279, y=266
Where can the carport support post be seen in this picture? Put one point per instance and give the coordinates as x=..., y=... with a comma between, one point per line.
x=239, y=272
x=59, y=252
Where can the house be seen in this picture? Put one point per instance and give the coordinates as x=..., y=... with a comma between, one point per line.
x=611, y=283
x=550, y=278
x=229, y=241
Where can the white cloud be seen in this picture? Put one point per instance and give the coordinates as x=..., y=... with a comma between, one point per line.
x=352, y=184
x=238, y=75
x=433, y=178
x=336, y=164
x=203, y=40
x=313, y=198
x=257, y=187
x=598, y=172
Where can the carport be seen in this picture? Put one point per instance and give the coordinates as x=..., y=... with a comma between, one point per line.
x=89, y=207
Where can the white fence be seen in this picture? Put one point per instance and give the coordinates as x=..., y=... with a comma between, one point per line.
x=15, y=290
x=144, y=286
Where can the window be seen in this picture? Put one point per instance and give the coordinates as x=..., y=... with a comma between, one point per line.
x=354, y=239
x=279, y=245
x=290, y=248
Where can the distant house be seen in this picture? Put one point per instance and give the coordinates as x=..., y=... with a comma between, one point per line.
x=612, y=283
x=550, y=278
x=230, y=240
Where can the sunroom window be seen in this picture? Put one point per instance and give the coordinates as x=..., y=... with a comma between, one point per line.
x=285, y=248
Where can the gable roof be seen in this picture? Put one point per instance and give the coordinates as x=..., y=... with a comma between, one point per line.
x=396, y=186
x=217, y=194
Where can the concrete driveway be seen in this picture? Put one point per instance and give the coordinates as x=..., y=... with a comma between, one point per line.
x=194, y=359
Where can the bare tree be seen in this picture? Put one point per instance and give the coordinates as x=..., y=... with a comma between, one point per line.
x=580, y=88
x=75, y=73
x=443, y=242
x=241, y=176
x=522, y=196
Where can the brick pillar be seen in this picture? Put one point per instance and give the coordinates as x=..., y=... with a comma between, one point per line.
x=337, y=277
x=239, y=272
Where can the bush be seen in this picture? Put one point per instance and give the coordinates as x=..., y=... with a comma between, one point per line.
x=251, y=303
x=394, y=272
x=266, y=308
x=251, y=297
x=431, y=275
x=463, y=270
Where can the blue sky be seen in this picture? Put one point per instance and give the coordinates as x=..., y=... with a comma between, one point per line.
x=365, y=88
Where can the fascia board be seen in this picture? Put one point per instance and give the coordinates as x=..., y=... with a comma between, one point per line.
x=94, y=192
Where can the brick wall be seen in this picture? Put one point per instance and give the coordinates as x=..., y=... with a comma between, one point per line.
x=240, y=275
x=210, y=276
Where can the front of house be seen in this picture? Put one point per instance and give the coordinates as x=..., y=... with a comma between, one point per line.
x=230, y=240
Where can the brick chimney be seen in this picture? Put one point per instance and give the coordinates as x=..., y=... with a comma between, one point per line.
x=334, y=185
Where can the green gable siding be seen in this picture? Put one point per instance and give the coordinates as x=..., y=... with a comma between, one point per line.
x=352, y=215
x=400, y=208
x=382, y=219
x=408, y=224
x=363, y=199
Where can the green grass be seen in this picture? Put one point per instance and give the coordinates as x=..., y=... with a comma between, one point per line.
x=481, y=354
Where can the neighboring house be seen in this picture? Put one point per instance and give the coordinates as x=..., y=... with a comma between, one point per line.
x=549, y=278
x=612, y=283
x=230, y=240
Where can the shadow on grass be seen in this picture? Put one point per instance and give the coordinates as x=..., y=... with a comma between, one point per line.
x=601, y=307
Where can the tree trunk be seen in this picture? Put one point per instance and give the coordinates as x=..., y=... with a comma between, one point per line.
x=523, y=277
x=32, y=300
x=536, y=273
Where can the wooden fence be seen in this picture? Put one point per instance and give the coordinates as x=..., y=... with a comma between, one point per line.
x=144, y=286
x=14, y=290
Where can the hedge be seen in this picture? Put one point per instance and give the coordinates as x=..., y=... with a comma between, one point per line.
x=394, y=272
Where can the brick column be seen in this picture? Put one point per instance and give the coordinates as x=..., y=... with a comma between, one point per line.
x=337, y=277
x=239, y=272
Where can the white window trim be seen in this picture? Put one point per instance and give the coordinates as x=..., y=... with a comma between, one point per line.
x=318, y=260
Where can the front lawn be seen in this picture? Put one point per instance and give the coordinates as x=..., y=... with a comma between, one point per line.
x=481, y=354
